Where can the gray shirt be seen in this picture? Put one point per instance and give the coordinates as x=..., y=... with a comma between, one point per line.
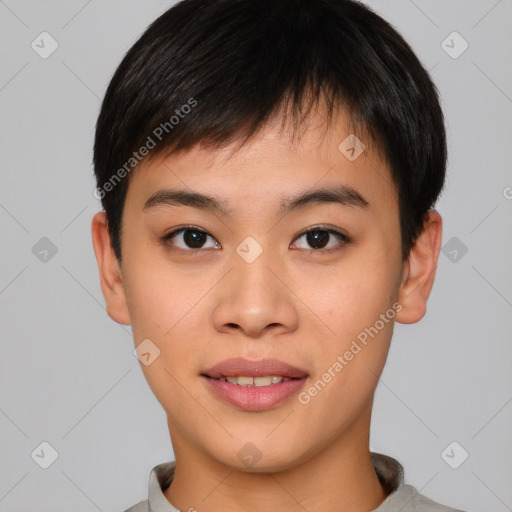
x=401, y=497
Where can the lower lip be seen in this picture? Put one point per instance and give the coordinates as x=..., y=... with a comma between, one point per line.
x=252, y=398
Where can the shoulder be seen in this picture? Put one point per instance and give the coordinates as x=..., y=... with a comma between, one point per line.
x=159, y=479
x=412, y=501
x=143, y=506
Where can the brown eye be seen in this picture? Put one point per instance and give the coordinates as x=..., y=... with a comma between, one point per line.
x=190, y=238
x=319, y=238
x=194, y=239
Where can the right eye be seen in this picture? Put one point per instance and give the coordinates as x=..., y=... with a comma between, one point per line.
x=189, y=239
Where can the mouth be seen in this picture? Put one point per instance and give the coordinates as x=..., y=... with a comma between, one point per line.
x=254, y=385
x=256, y=382
x=245, y=369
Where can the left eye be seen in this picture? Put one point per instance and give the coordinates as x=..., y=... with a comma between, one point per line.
x=319, y=238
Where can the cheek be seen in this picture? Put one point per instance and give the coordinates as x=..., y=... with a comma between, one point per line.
x=159, y=295
x=356, y=301
x=162, y=307
x=352, y=296
x=350, y=362
x=166, y=307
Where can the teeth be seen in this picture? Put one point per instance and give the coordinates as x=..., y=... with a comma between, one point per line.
x=245, y=381
x=256, y=381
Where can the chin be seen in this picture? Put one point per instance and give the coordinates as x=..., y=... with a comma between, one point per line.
x=255, y=458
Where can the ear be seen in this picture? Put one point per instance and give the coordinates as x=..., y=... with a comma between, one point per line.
x=110, y=271
x=419, y=271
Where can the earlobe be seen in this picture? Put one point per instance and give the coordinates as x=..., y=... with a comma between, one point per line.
x=110, y=271
x=419, y=271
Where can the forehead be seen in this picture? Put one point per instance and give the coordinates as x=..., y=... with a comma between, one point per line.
x=273, y=167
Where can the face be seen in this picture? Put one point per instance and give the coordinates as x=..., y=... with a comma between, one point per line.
x=314, y=284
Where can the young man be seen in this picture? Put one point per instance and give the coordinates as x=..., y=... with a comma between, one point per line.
x=268, y=171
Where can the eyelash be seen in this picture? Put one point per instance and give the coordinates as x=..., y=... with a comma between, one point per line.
x=344, y=239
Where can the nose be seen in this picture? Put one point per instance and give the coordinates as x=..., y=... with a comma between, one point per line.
x=256, y=298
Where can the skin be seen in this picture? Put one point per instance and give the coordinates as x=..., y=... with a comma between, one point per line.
x=295, y=303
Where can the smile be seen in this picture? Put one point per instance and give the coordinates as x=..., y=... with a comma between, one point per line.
x=258, y=382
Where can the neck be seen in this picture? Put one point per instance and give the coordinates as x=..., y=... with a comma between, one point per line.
x=340, y=477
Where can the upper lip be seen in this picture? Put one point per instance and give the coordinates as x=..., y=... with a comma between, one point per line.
x=248, y=368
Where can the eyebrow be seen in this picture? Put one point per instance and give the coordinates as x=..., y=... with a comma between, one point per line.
x=340, y=194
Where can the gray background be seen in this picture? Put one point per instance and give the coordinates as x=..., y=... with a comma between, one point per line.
x=67, y=372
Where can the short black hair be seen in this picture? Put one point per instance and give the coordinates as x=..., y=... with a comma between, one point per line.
x=215, y=71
